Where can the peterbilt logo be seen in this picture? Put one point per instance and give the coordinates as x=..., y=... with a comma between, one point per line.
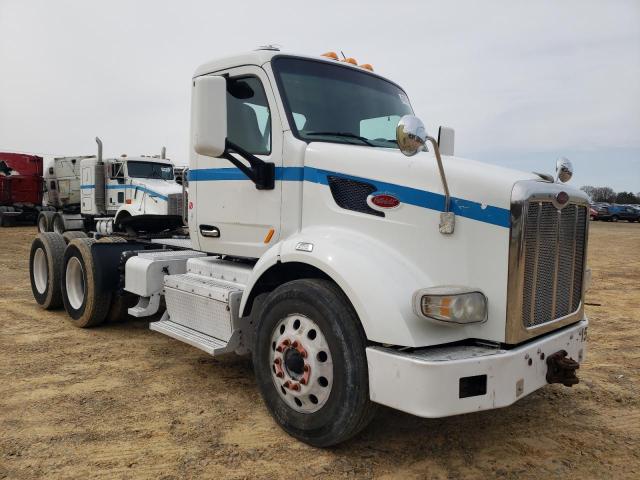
x=561, y=199
x=383, y=201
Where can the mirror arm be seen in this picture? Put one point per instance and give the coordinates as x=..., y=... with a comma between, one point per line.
x=445, y=186
x=261, y=173
x=241, y=166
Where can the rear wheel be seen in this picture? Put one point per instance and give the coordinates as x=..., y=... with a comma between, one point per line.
x=615, y=218
x=72, y=234
x=44, y=221
x=84, y=301
x=310, y=363
x=57, y=224
x=45, y=267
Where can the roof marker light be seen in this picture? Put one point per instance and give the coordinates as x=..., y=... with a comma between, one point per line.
x=331, y=55
x=350, y=60
x=367, y=66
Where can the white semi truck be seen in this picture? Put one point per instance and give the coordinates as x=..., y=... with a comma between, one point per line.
x=331, y=239
x=124, y=194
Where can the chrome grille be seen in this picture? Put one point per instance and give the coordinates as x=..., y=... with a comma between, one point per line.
x=553, y=244
x=175, y=204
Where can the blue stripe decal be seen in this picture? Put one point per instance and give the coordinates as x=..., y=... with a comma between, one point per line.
x=132, y=187
x=413, y=196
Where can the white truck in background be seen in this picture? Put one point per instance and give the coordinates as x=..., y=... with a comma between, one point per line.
x=125, y=194
x=61, y=197
x=356, y=265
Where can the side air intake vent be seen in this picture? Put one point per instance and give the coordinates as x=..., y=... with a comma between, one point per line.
x=352, y=194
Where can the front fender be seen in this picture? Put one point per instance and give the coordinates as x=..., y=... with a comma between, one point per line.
x=378, y=281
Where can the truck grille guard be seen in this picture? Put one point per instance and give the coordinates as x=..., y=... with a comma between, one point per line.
x=547, y=257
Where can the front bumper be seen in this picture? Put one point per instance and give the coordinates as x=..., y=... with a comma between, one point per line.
x=442, y=381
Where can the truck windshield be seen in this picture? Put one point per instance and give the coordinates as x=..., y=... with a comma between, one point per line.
x=150, y=170
x=334, y=103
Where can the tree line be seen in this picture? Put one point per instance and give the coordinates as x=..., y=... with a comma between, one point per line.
x=607, y=194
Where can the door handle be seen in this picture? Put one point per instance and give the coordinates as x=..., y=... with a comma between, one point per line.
x=209, y=231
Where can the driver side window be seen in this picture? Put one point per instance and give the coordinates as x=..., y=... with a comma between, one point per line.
x=248, y=115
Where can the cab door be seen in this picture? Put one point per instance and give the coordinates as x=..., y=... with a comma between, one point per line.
x=232, y=216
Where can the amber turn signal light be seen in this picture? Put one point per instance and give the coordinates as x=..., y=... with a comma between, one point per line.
x=331, y=55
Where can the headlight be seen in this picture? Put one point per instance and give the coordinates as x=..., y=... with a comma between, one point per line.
x=455, y=305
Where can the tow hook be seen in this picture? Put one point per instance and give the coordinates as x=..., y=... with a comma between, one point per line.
x=561, y=369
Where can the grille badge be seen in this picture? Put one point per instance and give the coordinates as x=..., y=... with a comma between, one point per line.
x=383, y=200
x=561, y=199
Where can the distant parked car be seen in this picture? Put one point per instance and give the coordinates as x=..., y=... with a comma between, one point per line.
x=601, y=212
x=623, y=212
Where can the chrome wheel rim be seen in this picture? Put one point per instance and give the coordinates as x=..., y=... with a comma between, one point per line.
x=301, y=363
x=74, y=282
x=40, y=271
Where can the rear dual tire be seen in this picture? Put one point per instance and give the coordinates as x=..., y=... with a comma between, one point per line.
x=57, y=224
x=86, y=304
x=45, y=269
x=45, y=221
x=73, y=234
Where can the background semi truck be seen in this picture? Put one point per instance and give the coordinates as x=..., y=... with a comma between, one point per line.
x=20, y=188
x=353, y=255
x=124, y=194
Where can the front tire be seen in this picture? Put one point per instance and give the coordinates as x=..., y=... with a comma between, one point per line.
x=310, y=363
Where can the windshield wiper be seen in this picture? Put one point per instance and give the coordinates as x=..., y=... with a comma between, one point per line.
x=343, y=134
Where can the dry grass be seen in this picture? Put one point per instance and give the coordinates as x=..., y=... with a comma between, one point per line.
x=120, y=401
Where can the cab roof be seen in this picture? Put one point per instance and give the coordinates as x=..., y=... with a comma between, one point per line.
x=264, y=55
x=144, y=159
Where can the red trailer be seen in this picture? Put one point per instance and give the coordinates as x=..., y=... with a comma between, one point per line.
x=20, y=188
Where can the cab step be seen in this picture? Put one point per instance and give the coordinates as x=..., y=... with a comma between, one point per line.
x=203, y=305
x=209, y=344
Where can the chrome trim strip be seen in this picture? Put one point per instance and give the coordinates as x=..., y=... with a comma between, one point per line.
x=522, y=194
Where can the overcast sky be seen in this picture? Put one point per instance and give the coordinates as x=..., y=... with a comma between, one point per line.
x=521, y=82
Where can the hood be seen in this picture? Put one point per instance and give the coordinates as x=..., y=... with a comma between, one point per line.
x=158, y=186
x=468, y=180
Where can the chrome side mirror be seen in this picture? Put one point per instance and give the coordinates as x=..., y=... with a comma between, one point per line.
x=411, y=135
x=564, y=170
x=412, y=138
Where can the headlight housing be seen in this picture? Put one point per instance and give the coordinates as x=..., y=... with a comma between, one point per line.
x=451, y=305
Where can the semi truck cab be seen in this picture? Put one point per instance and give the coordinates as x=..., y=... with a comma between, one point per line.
x=355, y=257
x=130, y=194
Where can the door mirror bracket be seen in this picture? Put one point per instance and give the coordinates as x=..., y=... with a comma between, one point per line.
x=259, y=172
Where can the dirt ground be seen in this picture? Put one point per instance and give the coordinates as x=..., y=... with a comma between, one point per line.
x=120, y=401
